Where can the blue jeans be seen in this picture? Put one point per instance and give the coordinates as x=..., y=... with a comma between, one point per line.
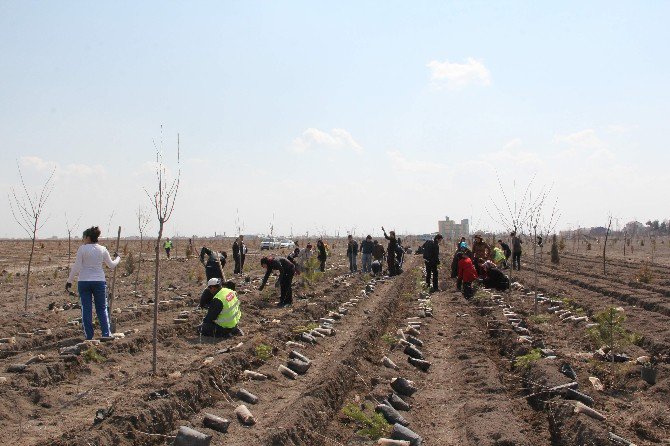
x=366, y=259
x=93, y=292
x=352, y=263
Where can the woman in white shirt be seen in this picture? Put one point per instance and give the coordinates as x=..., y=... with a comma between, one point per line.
x=92, y=285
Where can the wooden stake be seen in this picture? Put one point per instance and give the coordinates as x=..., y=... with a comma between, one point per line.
x=110, y=301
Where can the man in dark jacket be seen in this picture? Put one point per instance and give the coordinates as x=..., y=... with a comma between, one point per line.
x=352, y=253
x=367, y=246
x=212, y=267
x=286, y=270
x=322, y=254
x=431, y=256
x=507, y=251
x=391, y=252
x=239, y=253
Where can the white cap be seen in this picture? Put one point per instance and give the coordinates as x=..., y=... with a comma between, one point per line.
x=214, y=281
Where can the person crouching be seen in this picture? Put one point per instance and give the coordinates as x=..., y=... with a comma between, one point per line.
x=223, y=314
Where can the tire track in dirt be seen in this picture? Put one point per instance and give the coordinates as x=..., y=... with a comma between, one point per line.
x=632, y=265
x=653, y=326
x=614, y=274
x=649, y=301
x=626, y=401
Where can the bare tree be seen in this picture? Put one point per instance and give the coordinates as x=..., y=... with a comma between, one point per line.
x=143, y=219
x=27, y=210
x=512, y=214
x=540, y=223
x=163, y=200
x=69, y=239
x=607, y=234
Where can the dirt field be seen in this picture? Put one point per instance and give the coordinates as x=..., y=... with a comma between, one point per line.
x=488, y=382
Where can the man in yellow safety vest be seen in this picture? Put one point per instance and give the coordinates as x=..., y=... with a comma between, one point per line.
x=224, y=312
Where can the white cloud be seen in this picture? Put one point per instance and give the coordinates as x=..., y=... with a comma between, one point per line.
x=400, y=163
x=584, y=144
x=586, y=139
x=511, y=144
x=337, y=139
x=458, y=75
x=37, y=163
x=70, y=170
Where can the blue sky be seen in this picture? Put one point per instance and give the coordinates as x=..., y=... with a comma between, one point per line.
x=341, y=116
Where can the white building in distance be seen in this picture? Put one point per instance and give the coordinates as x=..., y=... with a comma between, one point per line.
x=452, y=230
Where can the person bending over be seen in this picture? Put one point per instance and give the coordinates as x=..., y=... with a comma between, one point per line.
x=286, y=270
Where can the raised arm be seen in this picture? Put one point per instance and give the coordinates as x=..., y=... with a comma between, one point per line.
x=204, y=251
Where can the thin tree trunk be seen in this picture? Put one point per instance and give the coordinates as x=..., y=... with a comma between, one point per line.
x=69, y=251
x=605, y=246
x=110, y=303
x=30, y=262
x=139, y=264
x=535, y=264
x=156, y=281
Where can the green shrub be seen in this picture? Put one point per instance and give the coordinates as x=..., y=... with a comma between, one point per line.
x=304, y=328
x=644, y=274
x=539, y=318
x=311, y=273
x=263, y=352
x=524, y=362
x=389, y=339
x=610, y=331
x=92, y=355
x=373, y=426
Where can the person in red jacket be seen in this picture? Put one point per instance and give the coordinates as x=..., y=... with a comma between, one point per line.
x=467, y=274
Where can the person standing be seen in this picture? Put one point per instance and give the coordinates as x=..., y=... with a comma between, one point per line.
x=516, y=250
x=168, y=246
x=239, y=253
x=223, y=312
x=431, y=257
x=286, y=270
x=391, y=252
x=322, y=255
x=367, y=246
x=352, y=253
x=91, y=283
x=507, y=251
x=466, y=275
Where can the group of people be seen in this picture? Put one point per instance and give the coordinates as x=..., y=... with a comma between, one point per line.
x=220, y=298
x=373, y=253
x=484, y=263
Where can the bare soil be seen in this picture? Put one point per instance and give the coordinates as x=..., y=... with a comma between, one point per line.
x=476, y=391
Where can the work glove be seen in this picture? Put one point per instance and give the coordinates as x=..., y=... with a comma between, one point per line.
x=116, y=254
x=68, y=285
